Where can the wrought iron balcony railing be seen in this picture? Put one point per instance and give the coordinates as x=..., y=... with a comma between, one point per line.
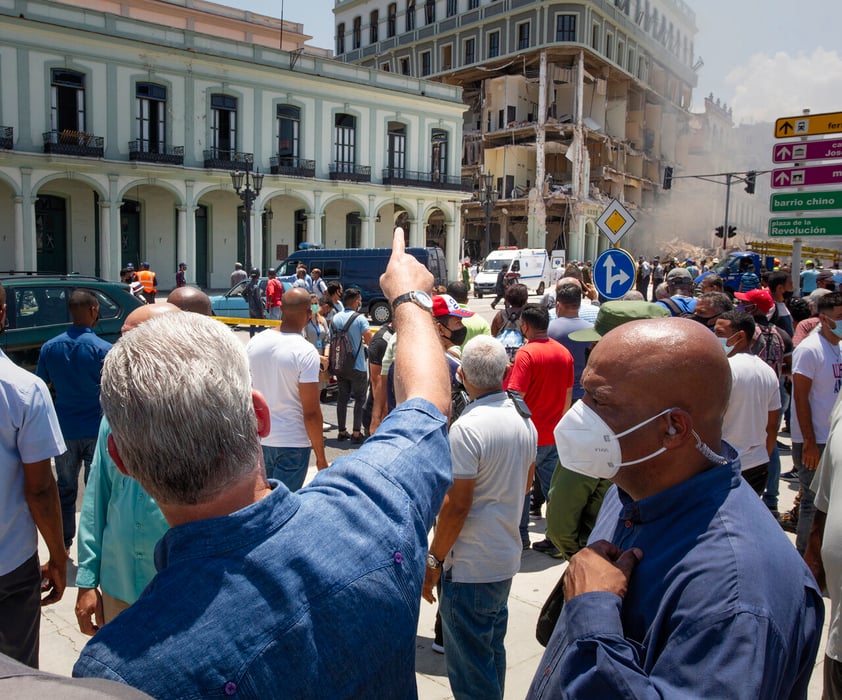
x=349, y=171
x=228, y=159
x=7, y=137
x=156, y=153
x=69, y=142
x=413, y=178
x=294, y=167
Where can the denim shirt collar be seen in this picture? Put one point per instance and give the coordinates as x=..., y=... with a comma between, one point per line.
x=686, y=495
x=248, y=525
x=75, y=331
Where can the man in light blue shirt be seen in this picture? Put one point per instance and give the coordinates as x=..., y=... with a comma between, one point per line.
x=355, y=383
x=72, y=364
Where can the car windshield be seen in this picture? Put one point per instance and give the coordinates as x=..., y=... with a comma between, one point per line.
x=495, y=264
x=730, y=265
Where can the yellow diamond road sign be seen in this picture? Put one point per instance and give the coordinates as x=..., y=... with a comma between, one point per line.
x=615, y=221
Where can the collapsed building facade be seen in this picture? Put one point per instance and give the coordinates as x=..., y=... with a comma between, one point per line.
x=568, y=105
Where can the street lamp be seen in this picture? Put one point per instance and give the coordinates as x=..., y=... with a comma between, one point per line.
x=488, y=196
x=248, y=192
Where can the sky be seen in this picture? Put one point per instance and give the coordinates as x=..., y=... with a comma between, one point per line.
x=764, y=58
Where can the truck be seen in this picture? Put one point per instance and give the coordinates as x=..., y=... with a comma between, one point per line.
x=731, y=269
x=532, y=266
x=361, y=268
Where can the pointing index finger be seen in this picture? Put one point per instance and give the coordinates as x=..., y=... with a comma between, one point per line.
x=398, y=245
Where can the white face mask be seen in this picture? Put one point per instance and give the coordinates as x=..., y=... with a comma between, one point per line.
x=587, y=445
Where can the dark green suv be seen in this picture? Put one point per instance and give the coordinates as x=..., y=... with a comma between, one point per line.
x=36, y=310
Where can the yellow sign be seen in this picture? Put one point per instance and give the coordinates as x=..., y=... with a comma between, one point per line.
x=808, y=125
x=615, y=222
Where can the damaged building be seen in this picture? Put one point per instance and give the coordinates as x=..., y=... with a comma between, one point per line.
x=568, y=105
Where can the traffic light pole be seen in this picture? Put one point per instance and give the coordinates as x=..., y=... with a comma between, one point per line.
x=727, y=206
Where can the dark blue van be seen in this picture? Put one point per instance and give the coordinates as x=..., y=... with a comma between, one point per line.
x=361, y=268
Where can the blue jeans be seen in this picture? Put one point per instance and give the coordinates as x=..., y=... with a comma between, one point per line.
x=807, y=509
x=474, y=619
x=287, y=464
x=67, y=469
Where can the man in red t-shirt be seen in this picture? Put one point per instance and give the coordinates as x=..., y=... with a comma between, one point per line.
x=274, y=292
x=543, y=373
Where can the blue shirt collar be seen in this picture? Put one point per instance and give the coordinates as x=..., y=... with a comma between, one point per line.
x=76, y=331
x=251, y=524
x=687, y=494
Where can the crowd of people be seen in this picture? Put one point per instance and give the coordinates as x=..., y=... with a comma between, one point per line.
x=646, y=431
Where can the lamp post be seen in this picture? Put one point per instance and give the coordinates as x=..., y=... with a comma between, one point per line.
x=247, y=185
x=488, y=196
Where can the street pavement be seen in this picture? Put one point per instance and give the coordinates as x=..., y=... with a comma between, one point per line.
x=61, y=640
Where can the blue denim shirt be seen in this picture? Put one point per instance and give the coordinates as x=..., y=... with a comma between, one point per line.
x=720, y=606
x=310, y=594
x=72, y=363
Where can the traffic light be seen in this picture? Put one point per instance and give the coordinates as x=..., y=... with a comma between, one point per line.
x=667, y=178
x=751, y=176
x=732, y=231
x=719, y=231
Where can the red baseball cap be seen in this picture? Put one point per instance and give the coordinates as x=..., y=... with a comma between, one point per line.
x=446, y=305
x=759, y=297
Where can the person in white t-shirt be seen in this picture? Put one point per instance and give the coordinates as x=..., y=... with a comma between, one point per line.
x=477, y=538
x=750, y=424
x=816, y=380
x=285, y=369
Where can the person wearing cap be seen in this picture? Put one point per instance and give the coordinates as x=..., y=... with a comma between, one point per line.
x=824, y=280
x=356, y=383
x=751, y=420
x=475, y=323
x=808, y=277
x=181, y=275
x=149, y=281
x=687, y=587
x=253, y=294
x=574, y=499
x=238, y=275
x=680, y=289
x=475, y=551
x=542, y=373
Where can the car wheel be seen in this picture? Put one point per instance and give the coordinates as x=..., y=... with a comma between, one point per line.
x=380, y=312
x=540, y=289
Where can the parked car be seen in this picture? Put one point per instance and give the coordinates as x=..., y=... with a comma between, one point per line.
x=36, y=310
x=233, y=305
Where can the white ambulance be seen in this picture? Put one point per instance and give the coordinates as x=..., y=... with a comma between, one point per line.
x=531, y=264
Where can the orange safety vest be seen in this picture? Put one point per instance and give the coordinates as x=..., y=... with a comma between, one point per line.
x=147, y=280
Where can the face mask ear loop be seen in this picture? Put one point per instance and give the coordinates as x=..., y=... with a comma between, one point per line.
x=708, y=453
x=640, y=425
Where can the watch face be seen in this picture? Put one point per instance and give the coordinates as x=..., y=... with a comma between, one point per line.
x=423, y=299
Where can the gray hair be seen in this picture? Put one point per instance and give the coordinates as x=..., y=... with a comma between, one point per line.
x=484, y=362
x=662, y=291
x=719, y=301
x=633, y=295
x=177, y=393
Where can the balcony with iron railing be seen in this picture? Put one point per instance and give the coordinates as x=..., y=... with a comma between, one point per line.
x=7, y=137
x=155, y=152
x=413, y=178
x=293, y=167
x=349, y=171
x=69, y=142
x=227, y=159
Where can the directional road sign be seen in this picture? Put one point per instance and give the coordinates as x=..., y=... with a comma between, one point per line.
x=814, y=226
x=806, y=201
x=615, y=221
x=809, y=125
x=808, y=150
x=614, y=273
x=817, y=175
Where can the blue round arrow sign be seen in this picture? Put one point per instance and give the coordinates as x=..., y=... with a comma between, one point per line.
x=614, y=273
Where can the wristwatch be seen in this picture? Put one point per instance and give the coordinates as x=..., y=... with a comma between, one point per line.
x=432, y=562
x=416, y=296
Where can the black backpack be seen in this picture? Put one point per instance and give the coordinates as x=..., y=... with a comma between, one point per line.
x=343, y=356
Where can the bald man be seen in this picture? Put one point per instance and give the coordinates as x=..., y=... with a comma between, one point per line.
x=688, y=587
x=119, y=525
x=191, y=299
x=285, y=369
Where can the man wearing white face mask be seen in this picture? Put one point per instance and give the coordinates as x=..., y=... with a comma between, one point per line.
x=688, y=587
x=751, y=421
x=816, y=380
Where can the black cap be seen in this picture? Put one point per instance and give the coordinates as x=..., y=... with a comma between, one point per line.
x=255, y=272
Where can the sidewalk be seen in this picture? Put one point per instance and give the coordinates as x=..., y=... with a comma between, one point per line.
x=61, y=640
